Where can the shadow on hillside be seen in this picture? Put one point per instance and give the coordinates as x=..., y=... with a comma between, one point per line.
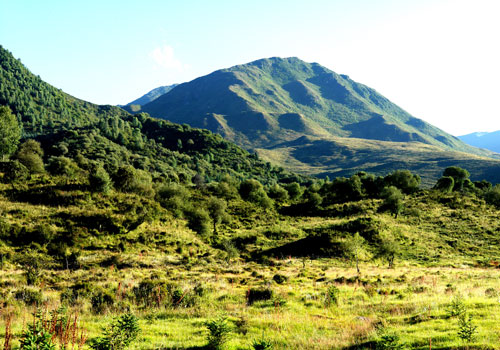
x=55, y=195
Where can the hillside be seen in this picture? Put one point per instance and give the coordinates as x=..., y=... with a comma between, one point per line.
x=272, y=102
x=109, y=136
x=486, y=140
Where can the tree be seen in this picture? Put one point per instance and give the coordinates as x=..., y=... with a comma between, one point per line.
x=253, y=191
x=278, y=193
x=393, y=200
x=353, y=247
x=10, y=132
x=459, y=175
x=15, y=172
x=30, y=154
x=99, y=180
x=388, y=249
x=445, y=184
x=403, y=180
x=217, y=210
x=294, y=191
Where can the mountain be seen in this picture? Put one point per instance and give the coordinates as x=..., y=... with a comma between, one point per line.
x=270, y=105
x=108, y=135
x=135, y=106
x=487, y=140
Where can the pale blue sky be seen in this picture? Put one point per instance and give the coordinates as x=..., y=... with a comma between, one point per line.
x=438, y=59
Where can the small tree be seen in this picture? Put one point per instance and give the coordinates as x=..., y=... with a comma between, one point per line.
x=219, y=330
x=10, y=132
x=99, y=180
x=445, y=184
x=123, y=331
x=217, y=210
x=15, y=172
x=466, y=329
x=353, y=247
x=459, y=175
x=30, y=154
x=404, y=180
x=393, y=200
x=389, y=250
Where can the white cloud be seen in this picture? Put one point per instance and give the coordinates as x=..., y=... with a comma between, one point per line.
x=164, y=57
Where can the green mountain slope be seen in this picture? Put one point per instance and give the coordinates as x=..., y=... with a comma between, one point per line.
x=67, y=126
x=271, y=102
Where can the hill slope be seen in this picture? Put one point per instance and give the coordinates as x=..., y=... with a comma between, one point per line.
x=67, y=126
x=271, y=102
x=487, y=140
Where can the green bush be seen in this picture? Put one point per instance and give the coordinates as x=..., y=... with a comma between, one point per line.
x=15, y=172
x=280, y=279
x=219, y=330
x=332, y=295
x=118, y=336
x=101, y=301
x=29, y=296
x=262, y=344
x=389, y=341
x=257, y=294
x=37, y=338
x=30, y=154
x=99, y=180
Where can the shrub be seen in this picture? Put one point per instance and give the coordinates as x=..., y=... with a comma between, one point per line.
x=30, y=155
x=122, y=331
x=262, y=344
x=445, y=184
x=218, y=335
x=389, y=341
x=459, y=176
x=456, y=307
x=15, y=172
x=29, y=296
x=198, y=220
x=150, y=293
x=63, y=166
x=130, y=180
x=278, y=193
x=332, y=296
x=255, y=294
x=393, y=200
x=253, y=191
x=101, y=300
x=294, y=191
x=99, y=180
x=280, y=279
x=466, y=330
x=404, y=180
x=37, y=338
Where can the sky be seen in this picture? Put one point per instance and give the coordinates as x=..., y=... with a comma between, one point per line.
x=437, y=59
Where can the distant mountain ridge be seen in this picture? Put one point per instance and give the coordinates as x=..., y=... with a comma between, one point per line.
x=285, y=108
x=487, y=140
x=136, y=105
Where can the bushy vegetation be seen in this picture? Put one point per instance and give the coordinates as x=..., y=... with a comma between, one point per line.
x=123, y=231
